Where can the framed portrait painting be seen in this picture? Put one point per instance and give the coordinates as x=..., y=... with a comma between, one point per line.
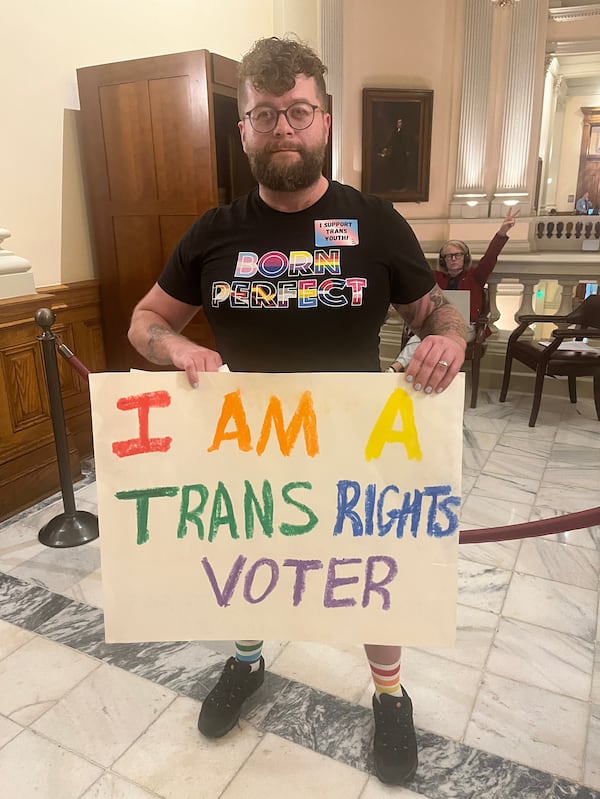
x=397, y=143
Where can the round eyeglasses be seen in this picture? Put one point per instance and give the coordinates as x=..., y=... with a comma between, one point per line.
x=453, y=256
x=299, y=116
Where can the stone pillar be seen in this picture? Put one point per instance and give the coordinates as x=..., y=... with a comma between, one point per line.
x=515, y=147
x=469, y=198
x=16, y=277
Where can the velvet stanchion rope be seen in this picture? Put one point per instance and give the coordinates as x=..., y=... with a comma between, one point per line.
x=73, y=361
x=510, y=532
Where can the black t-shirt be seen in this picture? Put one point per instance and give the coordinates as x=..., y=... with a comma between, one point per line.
x=299, y=292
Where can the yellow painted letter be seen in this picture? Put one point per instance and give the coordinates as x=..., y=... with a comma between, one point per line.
x=383, y=432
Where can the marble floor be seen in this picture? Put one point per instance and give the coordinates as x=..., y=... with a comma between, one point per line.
x=512, y=711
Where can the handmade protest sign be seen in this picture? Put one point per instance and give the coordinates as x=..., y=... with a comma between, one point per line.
x=293, y=506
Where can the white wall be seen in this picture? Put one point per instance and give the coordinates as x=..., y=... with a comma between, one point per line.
x=42, y=46
x=400, y=44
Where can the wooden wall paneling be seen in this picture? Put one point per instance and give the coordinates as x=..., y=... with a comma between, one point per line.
x=28, y=468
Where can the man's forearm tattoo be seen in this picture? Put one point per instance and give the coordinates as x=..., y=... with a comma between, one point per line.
x=156, y=335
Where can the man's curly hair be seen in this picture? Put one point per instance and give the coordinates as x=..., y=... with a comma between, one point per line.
x=273, y=64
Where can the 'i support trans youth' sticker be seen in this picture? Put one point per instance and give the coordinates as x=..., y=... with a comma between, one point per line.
x=341, y=232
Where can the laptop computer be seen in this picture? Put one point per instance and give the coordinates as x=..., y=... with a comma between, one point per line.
x=461, y=301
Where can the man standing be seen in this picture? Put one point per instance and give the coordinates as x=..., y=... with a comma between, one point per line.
x=297, y=276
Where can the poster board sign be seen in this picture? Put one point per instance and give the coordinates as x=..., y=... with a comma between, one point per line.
x=316, y=507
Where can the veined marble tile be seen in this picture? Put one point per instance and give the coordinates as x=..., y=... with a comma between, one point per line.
x=41, y=514
x=276, y=763
x=561, y=562
x=560, y=607
x=18, y=543
x=474, y=459
x=339, y=670
x=530, y=725
x=104, y=714
x=481, y=586
x=189, y=668
x=492, y=553
x=592, y=755
x=584, y=455
x=27, y=605
x=109, y=786
x=57, y=569
x=545, y=658
x=596, y=675
x=36, y=676
x=492, y=512
x=377, y=790
x=468, y=481
x=8, y=730
x=29, y=764
x=480, y=440
x=585, y=537
x=575, y=436
x=568, y=498
x=88, y=493
x=11, y=638
x=586, y=478
x=527, y=442
x=483, y=424
x=442, y=692
x=547, y=422
x=88, y=591
x=489, y=407
x=474, y=633
x=508, y=462
x=450, y=770
x=174, y=760
x=324, y=723
x=521, y=490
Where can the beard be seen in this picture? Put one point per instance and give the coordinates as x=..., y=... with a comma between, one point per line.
x=299, y=174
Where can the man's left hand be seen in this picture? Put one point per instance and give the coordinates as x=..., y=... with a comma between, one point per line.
x=435, y=364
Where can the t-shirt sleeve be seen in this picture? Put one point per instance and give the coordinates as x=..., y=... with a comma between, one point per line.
x=410, y=274
x=181, y=276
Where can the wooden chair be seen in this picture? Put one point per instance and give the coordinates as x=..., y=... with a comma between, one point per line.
x=476, y=349
x=583, y=322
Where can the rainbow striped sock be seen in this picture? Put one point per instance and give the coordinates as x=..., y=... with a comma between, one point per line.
x=249, y=652
x=386, y=677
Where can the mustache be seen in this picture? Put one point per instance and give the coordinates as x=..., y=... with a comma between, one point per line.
x=285, y=148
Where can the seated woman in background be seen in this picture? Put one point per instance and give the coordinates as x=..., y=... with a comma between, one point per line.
x=456, y=272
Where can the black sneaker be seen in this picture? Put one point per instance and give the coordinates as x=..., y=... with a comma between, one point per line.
x=395, y=744
x=221, y=708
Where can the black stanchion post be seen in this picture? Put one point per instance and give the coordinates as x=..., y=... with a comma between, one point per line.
x=71, y=528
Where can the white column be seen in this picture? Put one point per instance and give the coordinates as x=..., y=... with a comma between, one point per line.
x=520, y=87
x=16, y=277
x=474, y=110
x=559, y=95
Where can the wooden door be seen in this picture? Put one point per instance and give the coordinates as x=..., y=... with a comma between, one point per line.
x=150, y=163
x=588, y=178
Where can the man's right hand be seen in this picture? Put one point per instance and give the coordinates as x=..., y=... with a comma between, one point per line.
x=192, y=358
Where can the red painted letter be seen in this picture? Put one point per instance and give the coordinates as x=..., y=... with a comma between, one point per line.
x=143, y=403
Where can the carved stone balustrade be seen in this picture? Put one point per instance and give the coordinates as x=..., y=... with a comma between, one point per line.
x=562, y=232
x=527, y=283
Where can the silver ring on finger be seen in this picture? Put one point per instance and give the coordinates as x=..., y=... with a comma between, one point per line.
x=445, y=364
